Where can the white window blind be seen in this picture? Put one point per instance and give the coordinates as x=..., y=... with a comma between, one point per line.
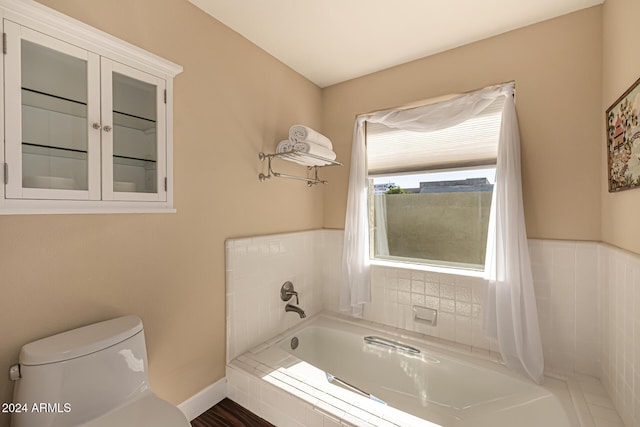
x=471, y=143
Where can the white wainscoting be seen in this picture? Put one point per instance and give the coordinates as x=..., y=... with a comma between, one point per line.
x=619, y=273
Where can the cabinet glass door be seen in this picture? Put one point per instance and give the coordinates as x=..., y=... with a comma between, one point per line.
x=133, y=137
x=49, y=143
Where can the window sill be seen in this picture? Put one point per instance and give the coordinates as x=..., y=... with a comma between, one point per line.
x=424, y=267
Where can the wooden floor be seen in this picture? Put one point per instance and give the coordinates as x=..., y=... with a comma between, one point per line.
x=229, y=414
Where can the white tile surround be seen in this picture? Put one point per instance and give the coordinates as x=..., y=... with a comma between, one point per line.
x=586, y=294
x=619, y=277
x=256, y=268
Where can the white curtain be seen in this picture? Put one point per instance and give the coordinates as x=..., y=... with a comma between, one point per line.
x=510, y=313
x=355, y=287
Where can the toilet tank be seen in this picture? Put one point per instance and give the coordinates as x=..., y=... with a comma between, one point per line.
x=75, y=376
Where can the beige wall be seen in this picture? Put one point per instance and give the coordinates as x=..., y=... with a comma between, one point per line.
x=557, y=68
x=621, y=68
x=232, y=101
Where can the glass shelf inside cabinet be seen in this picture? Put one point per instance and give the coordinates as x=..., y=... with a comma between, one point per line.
x=53, y=103
x=53, y=125
x=133, y=122
x=134, y=161
x=50, y=167
x=51, y=151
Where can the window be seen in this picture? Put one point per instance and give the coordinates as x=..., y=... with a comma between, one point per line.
x=430, y=192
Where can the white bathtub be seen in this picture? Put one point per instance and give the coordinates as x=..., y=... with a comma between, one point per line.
x=374, y=384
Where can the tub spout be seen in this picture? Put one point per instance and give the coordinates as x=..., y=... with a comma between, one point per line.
x=296, y=309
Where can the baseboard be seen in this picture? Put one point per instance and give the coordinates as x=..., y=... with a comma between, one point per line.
x=197, y=404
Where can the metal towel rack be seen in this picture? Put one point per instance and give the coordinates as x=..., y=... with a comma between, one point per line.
x=312, y=171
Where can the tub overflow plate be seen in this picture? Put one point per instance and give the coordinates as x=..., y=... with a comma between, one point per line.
x=294, y=343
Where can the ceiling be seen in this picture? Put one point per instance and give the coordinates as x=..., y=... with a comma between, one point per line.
x=330, y=41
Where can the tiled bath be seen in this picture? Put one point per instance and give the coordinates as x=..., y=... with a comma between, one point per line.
x=273, y=387
x=580, y=288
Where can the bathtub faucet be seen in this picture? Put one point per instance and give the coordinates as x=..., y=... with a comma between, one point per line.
x=286, y=292
x=296, y=309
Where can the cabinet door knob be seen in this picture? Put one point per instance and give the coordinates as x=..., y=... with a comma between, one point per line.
x=107, y=128
x=96, y=126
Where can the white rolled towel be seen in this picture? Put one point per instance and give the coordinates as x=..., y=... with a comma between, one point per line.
x=284, y=146
x=315, y=150
x=299, y=133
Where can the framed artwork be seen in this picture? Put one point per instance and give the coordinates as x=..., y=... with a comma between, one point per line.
x=623, y=140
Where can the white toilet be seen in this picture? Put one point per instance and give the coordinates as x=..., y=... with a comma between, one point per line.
x=94, y=376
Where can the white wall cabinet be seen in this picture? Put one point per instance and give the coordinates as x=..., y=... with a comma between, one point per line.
x=87, y=118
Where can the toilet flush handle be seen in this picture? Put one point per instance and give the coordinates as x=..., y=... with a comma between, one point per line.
x=14, y=372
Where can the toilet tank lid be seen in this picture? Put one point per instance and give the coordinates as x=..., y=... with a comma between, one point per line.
x=79, y=342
